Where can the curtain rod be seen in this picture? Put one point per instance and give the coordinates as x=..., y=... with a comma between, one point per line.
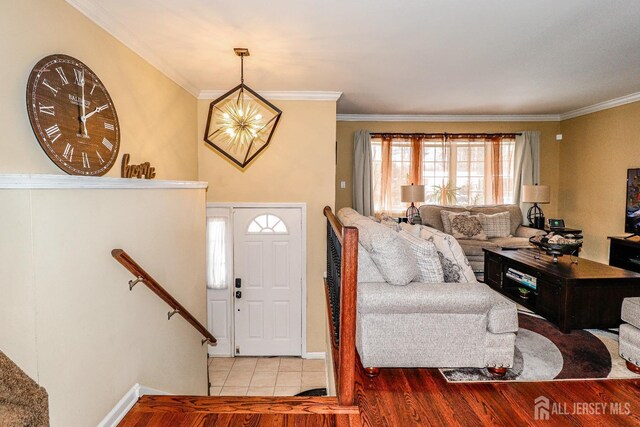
x=445, y=134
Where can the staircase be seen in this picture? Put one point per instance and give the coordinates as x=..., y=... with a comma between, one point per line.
x=22, y=401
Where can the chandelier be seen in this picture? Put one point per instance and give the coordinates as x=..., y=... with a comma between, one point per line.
x=241, y=122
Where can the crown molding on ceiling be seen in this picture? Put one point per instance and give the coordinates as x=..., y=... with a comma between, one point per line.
x=612, y=103
x=102, y=18
x=447, y=118
x=605, y=105
x=281, y=95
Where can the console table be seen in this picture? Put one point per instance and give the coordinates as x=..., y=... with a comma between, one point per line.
x=573, y=296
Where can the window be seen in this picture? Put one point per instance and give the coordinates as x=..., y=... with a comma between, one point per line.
x=216, y=252
x=478, y=170
x=400, y=167
x=267, y=224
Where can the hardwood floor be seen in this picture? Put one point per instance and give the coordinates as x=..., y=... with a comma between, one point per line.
x=405, y=397
x=422, y=397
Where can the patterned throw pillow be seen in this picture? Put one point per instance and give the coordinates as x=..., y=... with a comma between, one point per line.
x=496, y=225
x=455, y=265
x=446, y=219
x=428, y=261
x=467, y=227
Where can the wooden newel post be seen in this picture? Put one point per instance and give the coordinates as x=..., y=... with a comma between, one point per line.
x=348, y=295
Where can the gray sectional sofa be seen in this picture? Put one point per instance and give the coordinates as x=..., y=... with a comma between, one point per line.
x=517, y=238
x=454, y=321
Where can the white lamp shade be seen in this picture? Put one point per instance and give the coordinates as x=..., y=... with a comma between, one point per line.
x=536, y=194
x=412, y=193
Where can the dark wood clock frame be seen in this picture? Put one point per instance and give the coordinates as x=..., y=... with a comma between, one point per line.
x=73, y=116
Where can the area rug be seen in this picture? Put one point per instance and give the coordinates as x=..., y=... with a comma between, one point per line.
x=543, y=353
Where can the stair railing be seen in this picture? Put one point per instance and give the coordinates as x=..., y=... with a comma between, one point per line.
x=143, y=277
x=341, y=291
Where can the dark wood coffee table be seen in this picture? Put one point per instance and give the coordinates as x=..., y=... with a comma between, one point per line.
x=573, y=296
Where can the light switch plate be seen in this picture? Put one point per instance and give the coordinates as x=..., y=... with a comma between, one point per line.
x=343, y=184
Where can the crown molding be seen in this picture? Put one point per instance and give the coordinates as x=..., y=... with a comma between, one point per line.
x=281, y=95
x=102, y=18
x=447, y=118
x=612, y=103
x=54, y=182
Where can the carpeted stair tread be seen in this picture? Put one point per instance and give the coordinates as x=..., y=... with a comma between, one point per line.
x=22, y=401
x=15, y=415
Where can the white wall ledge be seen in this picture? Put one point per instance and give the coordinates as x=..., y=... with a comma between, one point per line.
x=54, y=182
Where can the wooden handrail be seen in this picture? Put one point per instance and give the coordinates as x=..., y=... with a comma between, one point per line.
x=348, y=237
x=335, y=223
x=127, y=262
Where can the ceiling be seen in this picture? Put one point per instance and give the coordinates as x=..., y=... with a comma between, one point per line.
x=393, y=57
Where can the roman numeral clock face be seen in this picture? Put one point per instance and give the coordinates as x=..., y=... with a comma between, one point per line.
x=72, y=116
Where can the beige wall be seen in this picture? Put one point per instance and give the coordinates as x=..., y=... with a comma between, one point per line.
x=298, y=166
x=595, y=153
x=548, y=152
x=67, y=317
x=157, y=117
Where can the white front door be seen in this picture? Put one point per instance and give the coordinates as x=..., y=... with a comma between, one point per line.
x=268, y=281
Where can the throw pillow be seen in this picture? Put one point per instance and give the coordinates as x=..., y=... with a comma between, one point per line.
x=455, y=265
x=496, y=225
x=413, y=229
x=428, y=261
x=466, y=227
x=348, y=215
x=390, y=222
x=367, y=270
x=391, y=254
x=446, y=219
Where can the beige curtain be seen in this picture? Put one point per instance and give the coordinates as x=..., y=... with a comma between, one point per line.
x=362, y=173
x=526, y=165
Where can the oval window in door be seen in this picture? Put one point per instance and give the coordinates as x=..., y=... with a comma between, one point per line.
x=268, y=224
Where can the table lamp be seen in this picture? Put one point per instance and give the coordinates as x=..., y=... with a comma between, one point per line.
x=413, y=193
x=536, y=194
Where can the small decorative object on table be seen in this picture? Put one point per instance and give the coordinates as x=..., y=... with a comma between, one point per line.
x=523, y=293
x=557, y=245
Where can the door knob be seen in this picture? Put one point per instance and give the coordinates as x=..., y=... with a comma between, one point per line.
x=238, y=294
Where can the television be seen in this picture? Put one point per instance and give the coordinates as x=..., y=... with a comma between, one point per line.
x=632, y=219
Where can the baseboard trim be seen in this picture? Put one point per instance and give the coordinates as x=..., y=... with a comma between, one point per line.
x=314, y=355
x=125, y=404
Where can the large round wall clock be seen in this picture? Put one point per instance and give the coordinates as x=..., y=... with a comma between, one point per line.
x=73, y=116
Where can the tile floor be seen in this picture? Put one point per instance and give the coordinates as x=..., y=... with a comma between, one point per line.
x=264, y=376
